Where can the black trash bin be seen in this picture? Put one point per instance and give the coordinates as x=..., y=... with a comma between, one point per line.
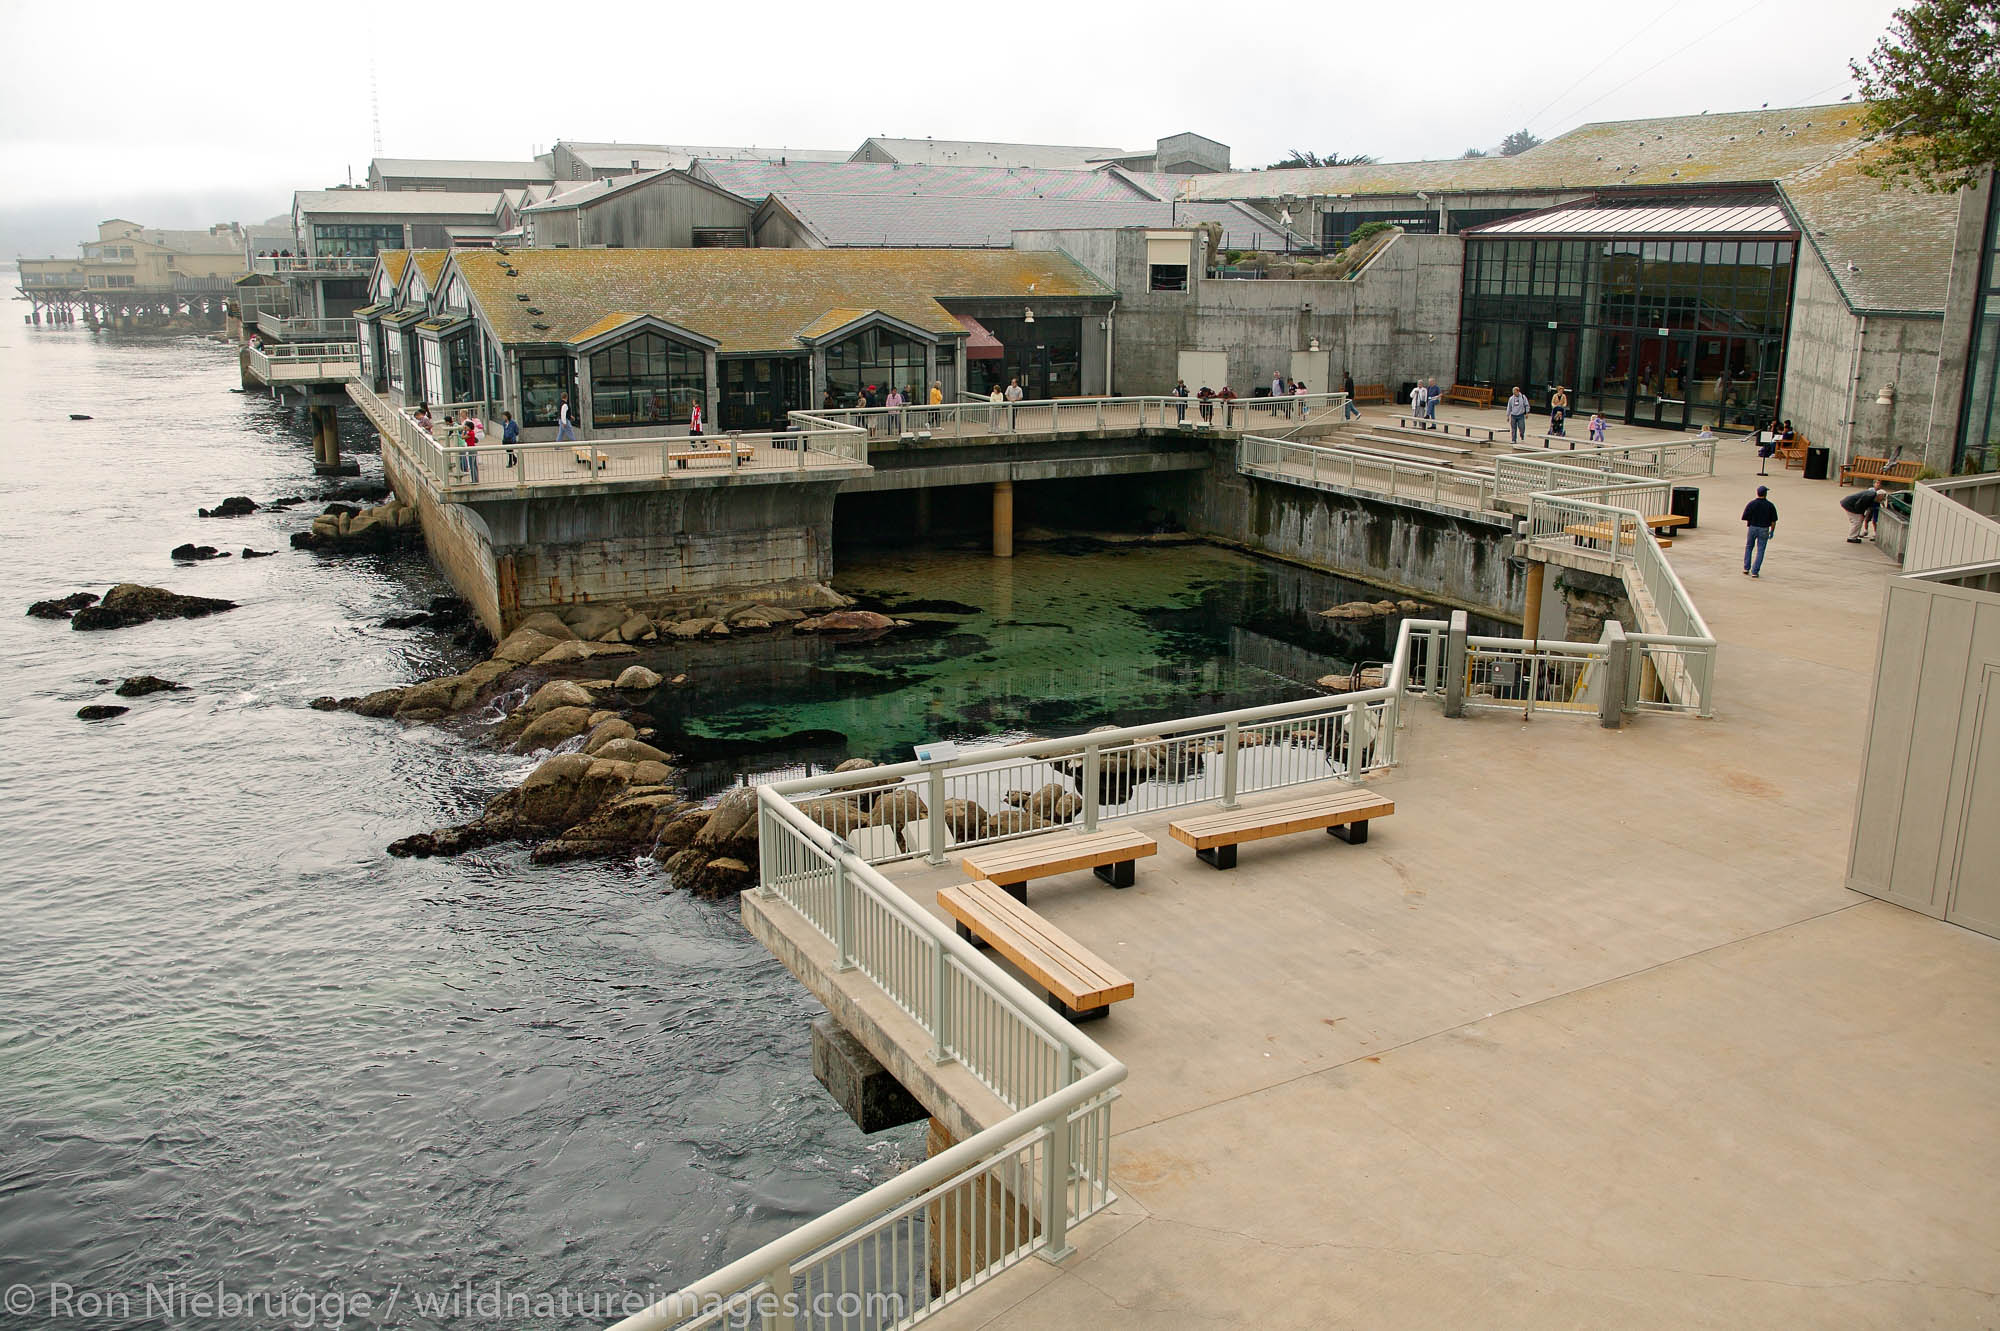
x=1687, y=504
x=1818, y=456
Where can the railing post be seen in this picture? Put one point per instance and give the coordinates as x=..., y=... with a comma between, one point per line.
x=1093, y=766
x=767, y=836
x=843, y=909
x=1617, y=661
x=940, y=1001
x=935, y=852
x=1357, y=714
x=1055, y=1175
x=779, y=1316
x=1454, y=665
x=1230, y=753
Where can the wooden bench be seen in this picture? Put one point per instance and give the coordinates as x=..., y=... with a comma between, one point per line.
x=717, y=455
x=1111, y=853
x=1343, y=814
x=1371, y=393
x=1079, y=984
x=591, y=457
x=1490, y=433
x=1470, y=396
x=1792, y=452
x=1880, y=469
x=1600, y=532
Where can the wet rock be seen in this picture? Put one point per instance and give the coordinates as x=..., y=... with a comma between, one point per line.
x=248, y=553
x=607, y=730
x=637, y=679
x=637, y=629
x=138, y=686
x=846, y=621
x=592, y=622
x=100, y=712
x=235, y=506
x=731, y=828
x=1052, y=802
x=630, y=751
x=651, y=774
x=565, y=652
x=382, y=702
x=326, y=702
x=698, y=627
x=838, y=816
x=558, y=693
x=1370, y=678
x=130, y=603
x=429, y=700
x=548, y=624
x=966, y=819
x=288, y=501
x=190, y=553
x=896, y=807
x=62, y=608
x=552, y=728
x=524, y=645
x=1012, y=822
x=443, y=842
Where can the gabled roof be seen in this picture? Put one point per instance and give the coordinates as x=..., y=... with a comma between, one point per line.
x=441, y=168
x=864, y=204
x=393, y=262
x=397, y=202
x=585, y=194
x=1889, y=250
x=749, y=300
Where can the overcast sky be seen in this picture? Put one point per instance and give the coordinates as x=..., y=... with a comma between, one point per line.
x=177, y=117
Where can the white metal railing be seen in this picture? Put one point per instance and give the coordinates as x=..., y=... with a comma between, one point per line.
x=980, y=416
x=306, y=362
x=275, y=324
x=306, y=263
x=1953, y=523
x=1524, y=675
x=1684, y=456
x=1014, y=1189
x=492, y=465
x=1365, y=469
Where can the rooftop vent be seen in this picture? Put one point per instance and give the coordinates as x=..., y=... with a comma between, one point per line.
x=541, y=328
x=521, y=296
x=533, y=310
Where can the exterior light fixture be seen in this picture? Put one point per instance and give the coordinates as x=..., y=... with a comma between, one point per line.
x=1312, y=344
x=1887, y=396
x=1028, y=317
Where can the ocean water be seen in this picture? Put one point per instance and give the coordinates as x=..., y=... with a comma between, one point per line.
x=246, y=1055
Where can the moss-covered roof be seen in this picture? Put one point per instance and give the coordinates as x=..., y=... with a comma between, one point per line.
x=393, y=263
x=1888, y=249
x=750, y=300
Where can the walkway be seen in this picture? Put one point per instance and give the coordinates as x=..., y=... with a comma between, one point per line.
x=1589, y=1034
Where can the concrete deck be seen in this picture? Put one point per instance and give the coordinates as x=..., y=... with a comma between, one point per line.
x=1589, y=1034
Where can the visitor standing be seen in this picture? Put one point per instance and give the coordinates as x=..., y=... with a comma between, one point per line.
x=1559, y=411
x=1207, y=399
x=1861, y=507
x=510, y=435
x=565, y=421
x=895, y=403
x=1760, y=518
x=1225, y=397
x=694, y=420
x=1597, y=427
x=1279, y=389
x=937, y=400
x=1014, y=395
x=1180, y=401
x=1517, y=415
x=1417, y=404
x=1299, y=392
x=1431, y=397
x=1349, y=410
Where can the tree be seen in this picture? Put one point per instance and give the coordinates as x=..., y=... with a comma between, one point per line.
x=1473, y=152
x=1933, y=89
x=1299, y=157
x=1517, y=143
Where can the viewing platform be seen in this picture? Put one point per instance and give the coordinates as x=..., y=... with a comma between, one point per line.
x=1588, y=1033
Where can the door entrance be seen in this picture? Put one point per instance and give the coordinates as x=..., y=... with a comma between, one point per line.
x=1661, y=379
x=1551, y=365
x=757, y=395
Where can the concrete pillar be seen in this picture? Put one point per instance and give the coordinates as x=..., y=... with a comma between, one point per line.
x=1531, y=613
x=1617, y=660
x=922, y=523
x=1003, y=519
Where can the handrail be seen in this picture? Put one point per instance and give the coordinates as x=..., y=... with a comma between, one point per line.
x=1406, y=478
x=1047, y=415
x=1948, y=528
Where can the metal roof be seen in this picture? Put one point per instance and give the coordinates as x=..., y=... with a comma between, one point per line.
x=397, y=202
x=445, y=168
x=1764, y=219
x=975, y=152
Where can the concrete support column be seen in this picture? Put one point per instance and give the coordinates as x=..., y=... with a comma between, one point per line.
x=1003, y=519
x=922, y=523
x=1454, y=664
x=1531, y=613
x=1617, y=660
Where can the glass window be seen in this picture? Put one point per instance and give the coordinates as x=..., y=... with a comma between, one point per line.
x=350, y=238
x=1168, y=277
x=395, y=358
x=434, y=386
x=878, y=357
x=544, y=382
x=646, y=380
x=464, y=385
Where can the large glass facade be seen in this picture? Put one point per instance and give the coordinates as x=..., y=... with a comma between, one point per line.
x=1651, y=332
x=1979, y=441
x=879, y=357
x=544, y=381
x=646, y=380
x=336, y=239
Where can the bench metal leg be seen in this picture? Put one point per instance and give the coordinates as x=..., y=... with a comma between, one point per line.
x=1088, y=1014
x=1354, y=834
x=1121, y=874
x=1018, y=891
x=968, y=935
x=1222, y=857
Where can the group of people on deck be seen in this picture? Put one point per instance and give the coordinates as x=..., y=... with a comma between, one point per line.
x=1281, y=387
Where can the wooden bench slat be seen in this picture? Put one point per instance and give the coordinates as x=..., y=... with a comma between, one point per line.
x=1044, y=857
x=1057, y=962
x=1274, y=820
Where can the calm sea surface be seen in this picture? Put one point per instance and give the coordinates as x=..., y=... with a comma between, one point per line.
x=243, y=1051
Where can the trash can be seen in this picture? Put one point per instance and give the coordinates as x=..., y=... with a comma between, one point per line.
x=1687, y=504
x=1817, y=458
